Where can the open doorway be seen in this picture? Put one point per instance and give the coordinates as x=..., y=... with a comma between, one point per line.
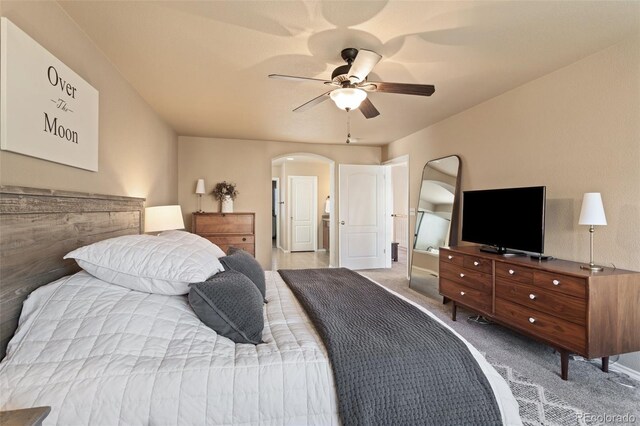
x=275, y=203
x=398, y=206
x=302, y=228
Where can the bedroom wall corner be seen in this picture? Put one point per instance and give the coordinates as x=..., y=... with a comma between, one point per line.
x=574, y=130
x=137, y=149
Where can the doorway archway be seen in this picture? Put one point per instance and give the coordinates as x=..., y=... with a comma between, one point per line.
x=293, y=164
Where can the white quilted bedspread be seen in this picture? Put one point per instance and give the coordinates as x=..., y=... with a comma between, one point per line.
x=100, y=354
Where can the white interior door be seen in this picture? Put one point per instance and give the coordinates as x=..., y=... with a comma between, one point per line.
x=362, y=216
x=303, y=193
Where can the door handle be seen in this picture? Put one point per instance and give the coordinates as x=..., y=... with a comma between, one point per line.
x=342, y=222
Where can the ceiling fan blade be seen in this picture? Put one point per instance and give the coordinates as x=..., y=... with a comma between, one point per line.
x=368, y=110
x=401, y=88
x=295, y=78
x=362, y=65
x=313, y=102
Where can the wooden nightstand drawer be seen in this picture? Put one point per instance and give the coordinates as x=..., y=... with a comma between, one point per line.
x=514, y=272
x=566, y=284
x=227, y=230
x=24, y=417
x=451, y=257
x=471, y=297
x=224, y=223
x=244, y=242
x=553, y=329
x=569, y=308
x=474, y=279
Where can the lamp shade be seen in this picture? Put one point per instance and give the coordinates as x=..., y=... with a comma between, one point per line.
x=200, y=187
x=163, y=218
x=348, y=97
x=327, y=205
x=592, y=212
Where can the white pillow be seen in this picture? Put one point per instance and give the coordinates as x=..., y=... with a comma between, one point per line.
x=147, y=263
x=189, y=238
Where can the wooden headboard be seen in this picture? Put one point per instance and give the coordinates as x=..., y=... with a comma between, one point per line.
x=39, y=226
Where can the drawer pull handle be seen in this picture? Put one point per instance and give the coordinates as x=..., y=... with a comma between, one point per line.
x=511, y=272
x=462, y=293
x=476, y=263
x=244, y=238
x=532, y=296
x=449, y=257
x=556, y=282
x=532, y=320
x=461, y=275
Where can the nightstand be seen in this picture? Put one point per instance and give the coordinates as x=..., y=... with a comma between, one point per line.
x=25, y=417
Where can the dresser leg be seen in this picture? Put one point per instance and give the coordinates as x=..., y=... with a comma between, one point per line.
x=564, y=365
x=454, y=308
x=605, y=364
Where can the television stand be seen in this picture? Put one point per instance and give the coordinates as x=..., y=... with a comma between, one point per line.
x=540, y=257
x=501, y=250
x=593, y=315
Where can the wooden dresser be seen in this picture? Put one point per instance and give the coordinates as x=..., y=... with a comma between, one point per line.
x=226, y=229
x=592, y=314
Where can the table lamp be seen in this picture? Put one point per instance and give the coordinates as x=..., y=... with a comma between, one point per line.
x=592, y=213
x=200, y=190
x=163, y=218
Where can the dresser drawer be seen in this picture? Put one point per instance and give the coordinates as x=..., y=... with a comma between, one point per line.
x=477, y=264
x=566, y=284
x=234, y=223
x=471, y=297
x=518, y=273
x=451, y=257
x=569, y=308
x=470, y=278
x=553, y=329
x=244, y=242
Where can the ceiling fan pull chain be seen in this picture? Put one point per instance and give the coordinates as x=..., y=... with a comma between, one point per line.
x=348, y=125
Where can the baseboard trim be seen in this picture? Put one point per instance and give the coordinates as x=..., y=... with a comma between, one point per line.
x=618, y=368
x=321, y=250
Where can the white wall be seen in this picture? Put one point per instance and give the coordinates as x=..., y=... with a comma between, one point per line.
x=575, y=130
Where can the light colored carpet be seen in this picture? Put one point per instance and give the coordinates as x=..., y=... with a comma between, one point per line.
x=533, y=367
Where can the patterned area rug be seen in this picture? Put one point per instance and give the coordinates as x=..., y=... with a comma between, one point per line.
x=539, y=407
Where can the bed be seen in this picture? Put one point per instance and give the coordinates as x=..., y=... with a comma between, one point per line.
x=98, y=353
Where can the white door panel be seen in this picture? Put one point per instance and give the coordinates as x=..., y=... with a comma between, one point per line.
x=303, y=202
x=362, y=228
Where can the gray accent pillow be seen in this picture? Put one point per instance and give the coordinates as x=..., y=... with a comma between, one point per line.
x=241, y=261
x=231, y=305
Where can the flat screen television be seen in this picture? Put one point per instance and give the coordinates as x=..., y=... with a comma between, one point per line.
x=508, y=218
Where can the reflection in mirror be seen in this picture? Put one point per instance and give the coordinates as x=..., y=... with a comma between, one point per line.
x=436, y=222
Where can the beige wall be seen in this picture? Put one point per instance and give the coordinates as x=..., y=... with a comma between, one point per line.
x=248, y=164
x=575, y=130
x=137, y=150
x=300, y=168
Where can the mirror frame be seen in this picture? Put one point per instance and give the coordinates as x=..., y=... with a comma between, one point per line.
x=455, y=212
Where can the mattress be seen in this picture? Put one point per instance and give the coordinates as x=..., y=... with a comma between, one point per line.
x=98, y=353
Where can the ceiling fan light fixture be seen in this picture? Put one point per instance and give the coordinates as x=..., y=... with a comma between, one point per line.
x=348, y=97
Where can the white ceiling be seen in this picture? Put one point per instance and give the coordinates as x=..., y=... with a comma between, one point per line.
x=203, y=66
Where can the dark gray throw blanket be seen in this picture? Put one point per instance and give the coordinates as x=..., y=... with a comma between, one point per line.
x=393, y=364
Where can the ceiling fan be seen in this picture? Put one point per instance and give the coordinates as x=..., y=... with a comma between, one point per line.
x=351, y=84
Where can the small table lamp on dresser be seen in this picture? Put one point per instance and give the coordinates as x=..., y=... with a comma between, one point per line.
x=163, y=218
x=200, y=191
x=592, y=213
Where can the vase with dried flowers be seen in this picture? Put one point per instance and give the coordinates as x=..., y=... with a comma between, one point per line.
x=225, y=192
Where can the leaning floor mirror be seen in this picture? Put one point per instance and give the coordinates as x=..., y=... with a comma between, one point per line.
x=436, y=222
